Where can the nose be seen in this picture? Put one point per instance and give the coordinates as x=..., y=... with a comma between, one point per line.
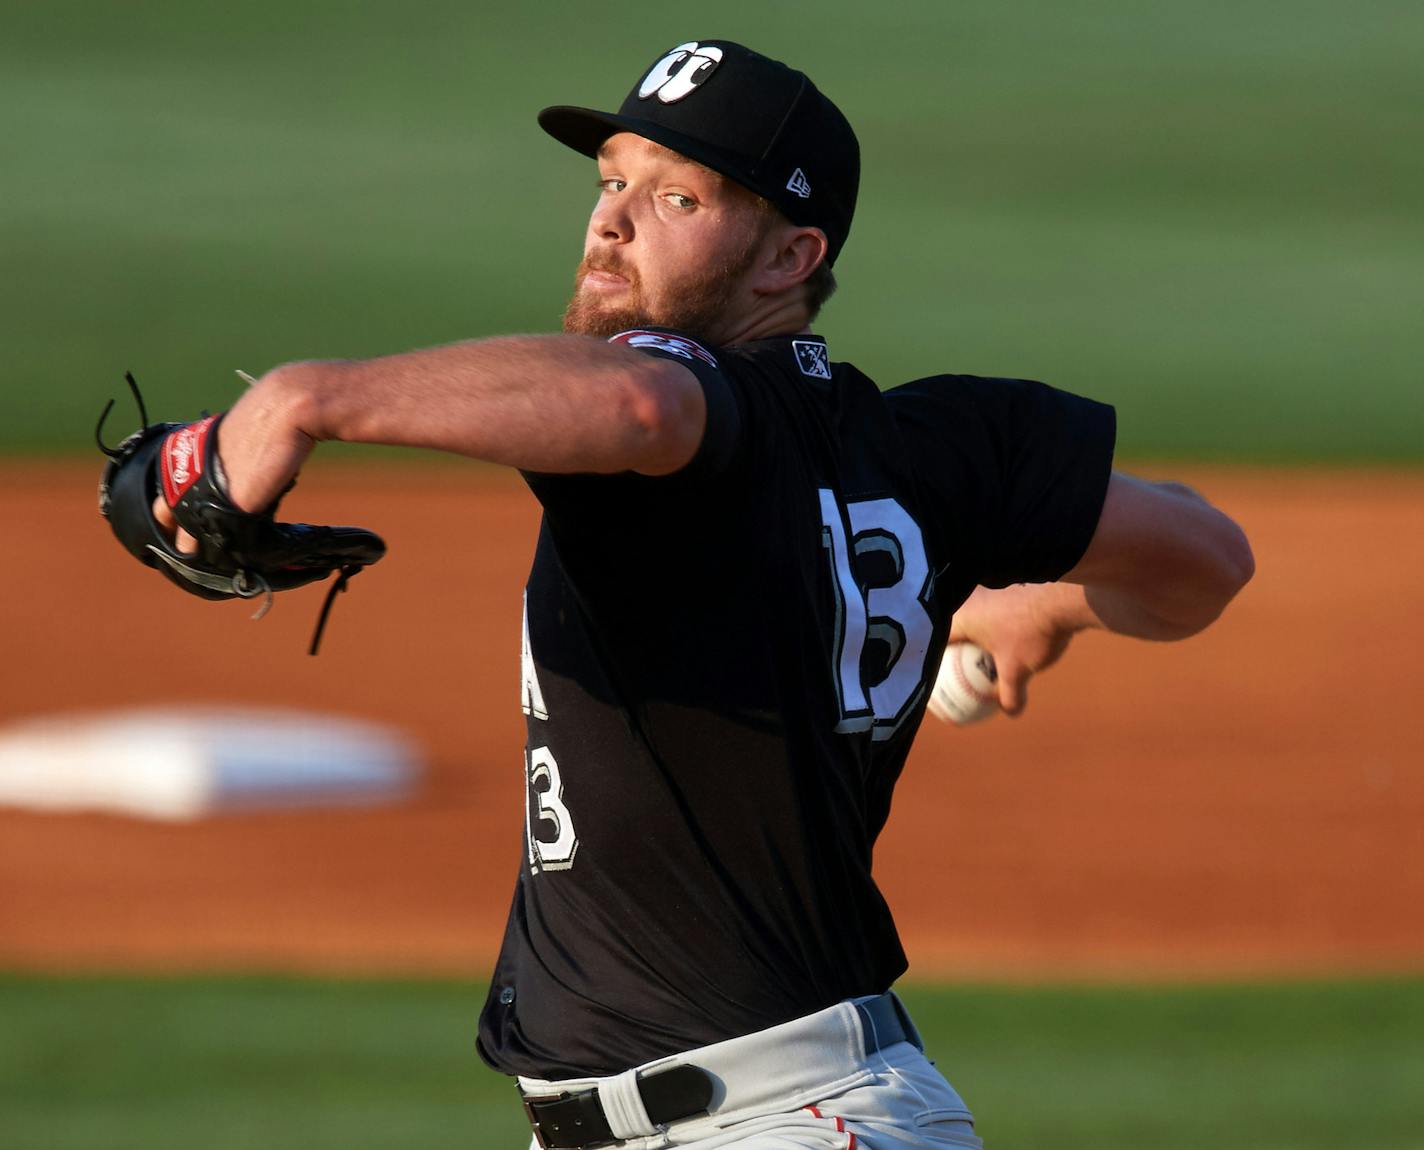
x=611, y=221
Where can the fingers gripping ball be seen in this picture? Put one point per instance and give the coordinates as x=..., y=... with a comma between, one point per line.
x=241, y=554
x=967, y=687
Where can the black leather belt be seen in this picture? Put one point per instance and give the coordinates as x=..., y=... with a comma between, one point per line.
x=576, y=1121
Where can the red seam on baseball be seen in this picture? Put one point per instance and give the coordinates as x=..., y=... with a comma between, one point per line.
x=958, y=663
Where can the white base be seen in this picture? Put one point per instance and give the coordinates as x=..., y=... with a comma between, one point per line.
x=184, y=762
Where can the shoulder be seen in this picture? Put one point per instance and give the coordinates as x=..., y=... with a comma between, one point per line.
x=997, y=405
x=1016, y=470
x=968, y=390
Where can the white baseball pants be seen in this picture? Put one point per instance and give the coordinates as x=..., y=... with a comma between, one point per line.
x=804, y=1085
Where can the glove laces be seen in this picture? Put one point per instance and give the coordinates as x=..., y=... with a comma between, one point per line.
x=332, y=592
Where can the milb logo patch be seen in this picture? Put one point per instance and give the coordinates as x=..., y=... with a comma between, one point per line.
x=812, y=358
x=660, y=341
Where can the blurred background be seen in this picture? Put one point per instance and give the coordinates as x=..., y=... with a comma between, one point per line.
x=1179, y=903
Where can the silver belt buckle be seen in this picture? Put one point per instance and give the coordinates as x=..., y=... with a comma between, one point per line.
x=529, y=1100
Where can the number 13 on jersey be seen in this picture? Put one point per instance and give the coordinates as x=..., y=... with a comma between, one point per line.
x=891, y=611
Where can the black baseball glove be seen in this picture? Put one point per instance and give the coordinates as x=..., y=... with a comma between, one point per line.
x=241, y=554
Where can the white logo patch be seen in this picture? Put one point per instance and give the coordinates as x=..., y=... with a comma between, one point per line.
x=680, y=73
x=799, y=184
x=812, y=358
x=660, y=341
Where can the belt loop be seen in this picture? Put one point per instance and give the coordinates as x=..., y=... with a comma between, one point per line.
x=623, y=1106
x=906, y=1021
x=870, y=1027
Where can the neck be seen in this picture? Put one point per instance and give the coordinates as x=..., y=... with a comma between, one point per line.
x=774, y=317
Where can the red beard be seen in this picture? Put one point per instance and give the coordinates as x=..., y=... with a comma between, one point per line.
x=586, y=314
x=696, y=305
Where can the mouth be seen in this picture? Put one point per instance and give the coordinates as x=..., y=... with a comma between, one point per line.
x=601, y=273
x=600, y=280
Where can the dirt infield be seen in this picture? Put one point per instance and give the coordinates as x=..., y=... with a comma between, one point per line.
x=1249, y=801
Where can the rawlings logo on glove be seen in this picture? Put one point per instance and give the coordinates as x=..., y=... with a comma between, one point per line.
x=181, y=460
x=240, y=554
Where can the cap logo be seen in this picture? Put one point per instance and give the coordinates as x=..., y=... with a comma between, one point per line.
x=799, y=184
x=680, y=73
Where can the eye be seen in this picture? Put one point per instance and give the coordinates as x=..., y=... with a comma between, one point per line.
x=679, y=201
x=612, y=184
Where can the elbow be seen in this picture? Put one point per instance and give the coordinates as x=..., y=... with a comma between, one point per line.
x=664, y=413
x=1164, y=563
x=1230, y=566
x=1238, y=558
x=1233, y=562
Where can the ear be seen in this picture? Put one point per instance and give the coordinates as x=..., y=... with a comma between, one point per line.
x=791, y=254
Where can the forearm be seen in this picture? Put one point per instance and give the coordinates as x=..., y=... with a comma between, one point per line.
x=541, y=403
x=1068, y=608
x=1028, y=626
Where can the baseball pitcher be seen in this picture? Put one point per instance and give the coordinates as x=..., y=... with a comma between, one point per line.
x=750, y=562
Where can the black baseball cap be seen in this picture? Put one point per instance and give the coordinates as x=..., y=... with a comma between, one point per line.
x=751, y=118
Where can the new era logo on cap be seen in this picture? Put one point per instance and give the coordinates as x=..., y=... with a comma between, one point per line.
x=799, y=184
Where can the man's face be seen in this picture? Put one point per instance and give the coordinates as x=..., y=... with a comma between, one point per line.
x=669, y=244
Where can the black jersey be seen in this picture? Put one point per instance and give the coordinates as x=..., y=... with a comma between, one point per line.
x=723, y=671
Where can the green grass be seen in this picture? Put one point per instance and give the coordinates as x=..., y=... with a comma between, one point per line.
x=1256, y=1067
x=112, y=1063
x=1205, y=212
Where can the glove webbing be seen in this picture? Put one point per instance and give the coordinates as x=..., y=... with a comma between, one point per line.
x=256, y=585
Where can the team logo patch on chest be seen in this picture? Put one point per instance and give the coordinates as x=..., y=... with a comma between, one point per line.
x=672, y=344
x=812, y=358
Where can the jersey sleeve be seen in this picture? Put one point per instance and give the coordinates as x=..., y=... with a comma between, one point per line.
x=722, y=434
x=578, y=503
x=1013, y=473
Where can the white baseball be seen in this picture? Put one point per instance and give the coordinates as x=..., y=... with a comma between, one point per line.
x=966, y=689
